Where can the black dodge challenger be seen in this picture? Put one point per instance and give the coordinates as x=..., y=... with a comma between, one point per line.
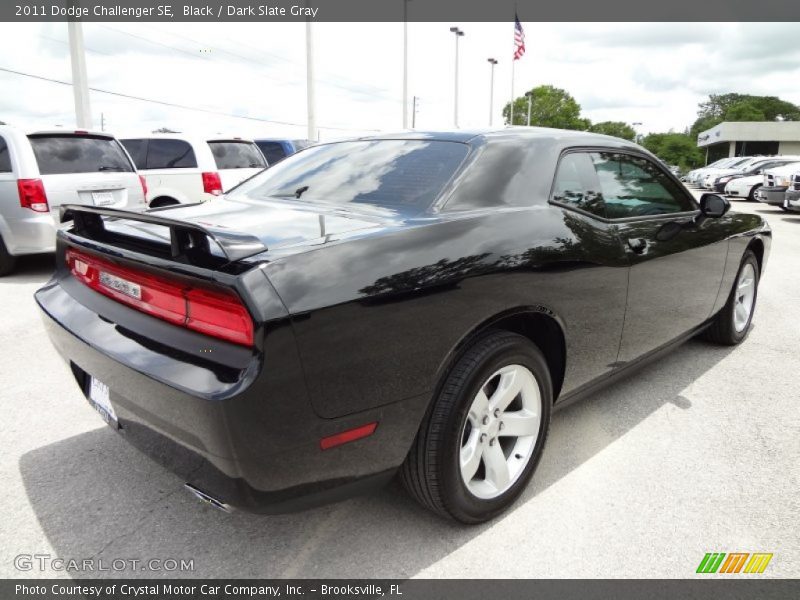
x=414, y=304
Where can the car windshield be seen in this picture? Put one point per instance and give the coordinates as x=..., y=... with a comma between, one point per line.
x=63, y=154
x=237, y=155
x=403, y=175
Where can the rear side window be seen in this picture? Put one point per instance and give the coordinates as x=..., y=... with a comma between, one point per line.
x=170, y=154
x=64, y=154
x=136, y=149
x=237, y=155
x=402, y=175
x=5, y=157
x=273, y=151
x=576, y=184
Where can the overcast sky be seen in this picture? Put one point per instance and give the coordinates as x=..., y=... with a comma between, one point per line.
x=650, y=73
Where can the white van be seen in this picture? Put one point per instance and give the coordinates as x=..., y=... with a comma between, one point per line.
x=184, y=169
x=41, y=170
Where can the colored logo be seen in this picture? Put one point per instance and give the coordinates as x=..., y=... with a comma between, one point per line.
x=734, y=562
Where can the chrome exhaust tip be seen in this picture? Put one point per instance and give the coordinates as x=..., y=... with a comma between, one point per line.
x=206, y=499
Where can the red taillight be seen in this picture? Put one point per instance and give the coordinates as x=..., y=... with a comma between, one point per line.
x=32, y=195
x=350, y=435
x=212, y=184
x=143, y=181
x=216, y=313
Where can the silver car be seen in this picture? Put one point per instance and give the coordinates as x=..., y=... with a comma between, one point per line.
x=42, y=170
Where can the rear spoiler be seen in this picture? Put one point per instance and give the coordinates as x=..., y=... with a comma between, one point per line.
x=184, y=236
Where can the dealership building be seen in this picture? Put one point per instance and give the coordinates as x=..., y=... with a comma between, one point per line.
x=743, y=138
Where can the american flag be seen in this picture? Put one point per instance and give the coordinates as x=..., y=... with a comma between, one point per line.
x=519, y=39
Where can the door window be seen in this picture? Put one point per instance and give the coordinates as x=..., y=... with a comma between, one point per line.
x=576, y=184
x=5, y=157
x=634, y=186
x=170, y=154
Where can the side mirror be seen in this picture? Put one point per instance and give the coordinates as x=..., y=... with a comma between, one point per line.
x=713, y=206
x=760, y=172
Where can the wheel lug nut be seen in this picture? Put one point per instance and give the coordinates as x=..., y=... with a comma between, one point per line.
x=492, y=441
x=485, y=420
x=496, y=412
x=483, y=438
x=502, y=426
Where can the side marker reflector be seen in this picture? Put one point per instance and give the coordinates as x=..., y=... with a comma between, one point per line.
x=350, y=435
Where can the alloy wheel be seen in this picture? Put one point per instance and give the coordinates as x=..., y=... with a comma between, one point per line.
x=500, y=431
x=744, y=298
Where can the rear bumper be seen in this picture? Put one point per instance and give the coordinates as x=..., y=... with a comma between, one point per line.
x=246, y=437
x=771, y=195
x=792, y=200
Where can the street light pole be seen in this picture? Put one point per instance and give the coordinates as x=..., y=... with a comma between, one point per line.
x=529, y=94
x=458, y=33
x=492, y=62
x=405, y=64
x=310, y=100
x=80, y=83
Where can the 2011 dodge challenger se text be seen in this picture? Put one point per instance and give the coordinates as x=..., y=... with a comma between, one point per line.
x=416, y=303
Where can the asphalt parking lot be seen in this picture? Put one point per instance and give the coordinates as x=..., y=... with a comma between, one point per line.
x=698, y=453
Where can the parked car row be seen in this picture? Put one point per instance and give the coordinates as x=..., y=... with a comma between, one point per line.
x=773, y=180
x=41, y=170
x=781, y=187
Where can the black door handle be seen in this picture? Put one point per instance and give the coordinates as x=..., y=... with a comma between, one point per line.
x=638, y=245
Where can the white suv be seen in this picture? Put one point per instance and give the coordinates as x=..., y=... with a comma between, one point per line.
x=184, y=169
x=42, y=170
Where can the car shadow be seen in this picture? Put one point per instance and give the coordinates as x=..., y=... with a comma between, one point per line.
x=96, y=496
x=31, y=269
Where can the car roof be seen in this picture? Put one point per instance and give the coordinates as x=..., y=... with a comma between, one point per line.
x=64, y=131
x=505, y=133
x=188, y=137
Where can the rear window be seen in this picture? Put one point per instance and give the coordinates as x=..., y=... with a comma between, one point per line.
x=404, y=175
x=63, y=154
x=301, y=144
x=5, y=157
x=273, y=151
x=237, y=155
x=170, y=154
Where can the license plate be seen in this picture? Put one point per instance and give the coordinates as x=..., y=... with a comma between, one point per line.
x=99, y=396
x=123, y=286
x=102, y=198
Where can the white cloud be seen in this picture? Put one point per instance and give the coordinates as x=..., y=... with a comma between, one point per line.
x=652, y=73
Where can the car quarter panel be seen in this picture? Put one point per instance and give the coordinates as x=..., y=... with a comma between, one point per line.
x=377, y=318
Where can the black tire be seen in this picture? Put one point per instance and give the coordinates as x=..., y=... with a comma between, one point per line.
x=7, y=262
x=722, y=329
x=431, y=472
x=751, y=197
x=163, y=201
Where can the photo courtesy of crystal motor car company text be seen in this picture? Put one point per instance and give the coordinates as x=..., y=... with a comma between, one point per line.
x=436, y=277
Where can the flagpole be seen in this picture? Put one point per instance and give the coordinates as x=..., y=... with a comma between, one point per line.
x=513, y=66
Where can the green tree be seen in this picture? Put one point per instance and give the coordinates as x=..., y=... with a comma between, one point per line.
x=551, y=107
x=675, y=149
x=742, y=107
x=615, y=128
x=746, y=110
